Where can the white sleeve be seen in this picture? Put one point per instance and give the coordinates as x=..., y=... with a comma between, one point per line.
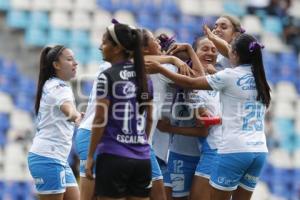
x=170, y=67
x=62, y=94
x=219, y=80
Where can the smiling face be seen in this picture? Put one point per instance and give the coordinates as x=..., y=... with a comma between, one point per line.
x=206, y=52
x=224, y=29
x=66, y=65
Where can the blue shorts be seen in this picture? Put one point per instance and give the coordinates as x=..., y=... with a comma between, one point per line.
x=207, y=160
x=82, y=142
x=165, y=172
x=51, y=176
x=237, y=169
x=156, y=172
x=182, y=169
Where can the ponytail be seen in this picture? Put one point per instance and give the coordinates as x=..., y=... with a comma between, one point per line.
x=47, y=57
x=139, y=65
x=262, y=86
x=249, y=52
x=131, y=40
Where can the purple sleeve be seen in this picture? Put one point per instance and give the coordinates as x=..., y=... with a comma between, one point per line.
x=150, y=87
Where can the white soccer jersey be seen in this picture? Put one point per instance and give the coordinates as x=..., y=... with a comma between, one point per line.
x=183, y=116
x=242, y=114
x=54, y=132
x=185, y=145
x=210, y=100
x=162, y=100
x=222, y=63
x=87, y=121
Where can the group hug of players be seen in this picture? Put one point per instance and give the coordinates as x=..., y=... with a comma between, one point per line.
x=165, y=120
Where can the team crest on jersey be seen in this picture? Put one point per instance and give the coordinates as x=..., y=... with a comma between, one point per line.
x=247, y=82
x=125, y=74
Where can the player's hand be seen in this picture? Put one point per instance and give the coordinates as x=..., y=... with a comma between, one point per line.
x=178, y=47
x=211, y=69
x=202, y=114
x=210, y=35
x=78, y=118
x=152, y=67
x=164, y=125
x=183, y=68
x=89, y=168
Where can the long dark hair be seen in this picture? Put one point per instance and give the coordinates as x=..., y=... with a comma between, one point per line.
x=131, y=40
x=48, y=56
x=249, y=51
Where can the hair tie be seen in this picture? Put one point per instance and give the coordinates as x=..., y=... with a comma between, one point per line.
x=114, y=21
x=255, y=45
x=242, y=30
x=165, y=41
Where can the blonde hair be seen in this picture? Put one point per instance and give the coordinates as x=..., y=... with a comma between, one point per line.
x=237, y=27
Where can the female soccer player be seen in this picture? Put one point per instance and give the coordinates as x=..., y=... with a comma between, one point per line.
x=122, y=120
x=245, y=95
x=82, y=140
x=56, y=115
x=163, y=95
x=204, y=103
x=227, y=28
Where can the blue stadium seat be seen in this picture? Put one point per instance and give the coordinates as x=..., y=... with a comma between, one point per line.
x=24, y=102
x=150, y=7
x=298, y=85
x=295, y=186
x=95, y=55
x=80, y=38
x=147, y=20
x=184, y=35
x=80, y=53
x=27, y=86
x=10, y=70
x=192, y=23
x=35, y=36
x=20, y=191
x=280, y=184
x=6, y=84
x=4, y=5
x=289, y=58
x=167, y=21
x=284, y=126
x=2, y=189
x=18, y=19
x=4, y=119
x=58, y=36
x=169, y=7
x=129, y=5
x=109, y=5
x=234, y=8
x=39, y=19
x=270, y=61
x=273, y=25
x=2, y=145
x=286, y=73
x=266, y=173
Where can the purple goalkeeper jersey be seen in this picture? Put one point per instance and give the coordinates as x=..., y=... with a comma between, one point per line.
x=124, y=134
